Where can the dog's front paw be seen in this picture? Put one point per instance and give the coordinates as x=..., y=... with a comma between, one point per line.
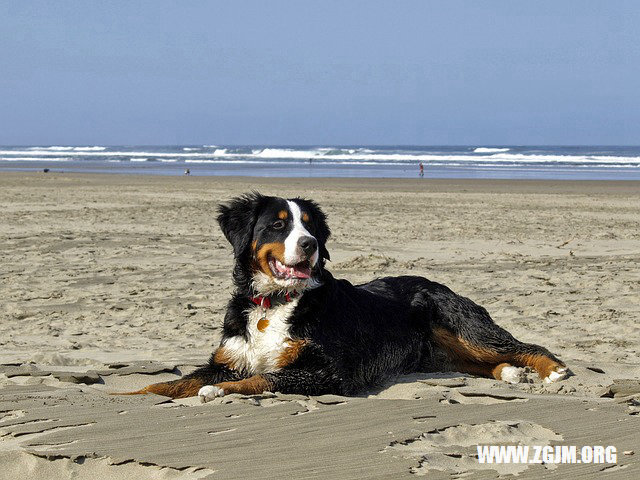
x=209, y=392
x=559, y=373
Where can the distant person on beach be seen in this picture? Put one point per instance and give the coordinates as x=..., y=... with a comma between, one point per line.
x=421, y=170
x=187, y=172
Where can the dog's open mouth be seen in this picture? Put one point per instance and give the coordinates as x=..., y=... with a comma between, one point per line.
x=280, y=270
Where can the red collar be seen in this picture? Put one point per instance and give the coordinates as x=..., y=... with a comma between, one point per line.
x=265, y=302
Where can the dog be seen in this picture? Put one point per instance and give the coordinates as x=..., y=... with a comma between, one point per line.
x=292, y=327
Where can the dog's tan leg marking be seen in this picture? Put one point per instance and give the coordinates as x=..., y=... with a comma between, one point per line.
x=548, y=370
x=248, y=386
x=461, y=350
x=177, y=389
x=478, y=360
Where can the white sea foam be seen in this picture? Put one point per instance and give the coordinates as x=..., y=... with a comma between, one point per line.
x=187, y=149
x=287, y=153
x=490, y=150
x=89, y=149
x=54, y=148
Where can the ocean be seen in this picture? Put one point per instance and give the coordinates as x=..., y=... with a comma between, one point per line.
x=491, y=162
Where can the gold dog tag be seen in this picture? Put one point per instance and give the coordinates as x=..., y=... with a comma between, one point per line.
x=263, y=323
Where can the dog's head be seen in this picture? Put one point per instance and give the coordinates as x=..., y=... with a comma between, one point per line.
x=278, y=244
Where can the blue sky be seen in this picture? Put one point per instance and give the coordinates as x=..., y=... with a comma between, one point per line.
x=330, y=72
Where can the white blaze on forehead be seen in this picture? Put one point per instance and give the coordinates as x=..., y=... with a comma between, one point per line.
x=292, y=253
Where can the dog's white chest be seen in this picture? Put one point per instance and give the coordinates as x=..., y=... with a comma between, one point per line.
x=267, y=338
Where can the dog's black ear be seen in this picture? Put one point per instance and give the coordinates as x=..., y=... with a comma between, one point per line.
x=320, y=226
x=237, y=219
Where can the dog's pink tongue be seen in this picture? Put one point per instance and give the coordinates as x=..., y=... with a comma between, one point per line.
x=300, y=272
x=295, y=271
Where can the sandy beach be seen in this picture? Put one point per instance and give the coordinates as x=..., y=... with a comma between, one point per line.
x=112, y=282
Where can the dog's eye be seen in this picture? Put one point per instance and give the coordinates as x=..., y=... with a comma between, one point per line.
x=278, y=224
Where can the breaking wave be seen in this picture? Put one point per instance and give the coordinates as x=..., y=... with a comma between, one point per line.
x=490, y=150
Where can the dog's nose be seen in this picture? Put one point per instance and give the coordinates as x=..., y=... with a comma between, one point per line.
x=308, y=245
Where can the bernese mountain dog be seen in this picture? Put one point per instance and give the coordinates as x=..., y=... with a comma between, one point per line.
x=292, y=327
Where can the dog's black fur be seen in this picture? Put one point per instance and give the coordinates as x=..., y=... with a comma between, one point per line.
x=352, y=338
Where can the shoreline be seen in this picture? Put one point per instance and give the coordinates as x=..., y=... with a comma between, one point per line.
x=317, y=172
x=440, y=184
